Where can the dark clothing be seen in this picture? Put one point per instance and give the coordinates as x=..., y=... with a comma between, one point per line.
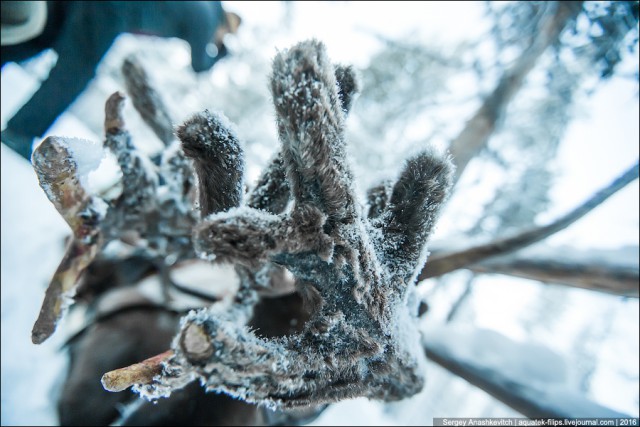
x=81, y=32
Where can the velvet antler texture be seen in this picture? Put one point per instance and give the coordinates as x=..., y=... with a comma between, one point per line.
x=353, y=265
x=355, y=272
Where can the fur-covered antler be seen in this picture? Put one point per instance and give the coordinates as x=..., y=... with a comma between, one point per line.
x=354, y=272
x=353, y=269
x=132, y=210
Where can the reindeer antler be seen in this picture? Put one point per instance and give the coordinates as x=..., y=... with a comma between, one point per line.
x=356, y=272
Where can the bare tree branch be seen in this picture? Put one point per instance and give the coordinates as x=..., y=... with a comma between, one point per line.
x=512, y=373
x=593, y=273
x=476, y=133
x=447, y=262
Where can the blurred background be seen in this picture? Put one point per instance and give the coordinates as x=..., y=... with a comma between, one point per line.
x=537, y=124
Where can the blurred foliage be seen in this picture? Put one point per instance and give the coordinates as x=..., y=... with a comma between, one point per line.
x=526, y=144
x=612, y=28
x=600, y=34
x=407, y=97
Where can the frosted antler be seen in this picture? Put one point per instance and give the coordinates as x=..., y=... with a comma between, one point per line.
x=355, y=272
x=132, y=210
x=65, y=184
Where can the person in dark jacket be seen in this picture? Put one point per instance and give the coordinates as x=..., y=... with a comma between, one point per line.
x=81, y=32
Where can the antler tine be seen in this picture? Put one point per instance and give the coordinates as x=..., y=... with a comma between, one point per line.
x=311, y=129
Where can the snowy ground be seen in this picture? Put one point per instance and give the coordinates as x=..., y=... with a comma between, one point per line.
x=596, y=335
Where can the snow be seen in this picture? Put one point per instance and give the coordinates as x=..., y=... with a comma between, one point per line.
x=356, y=412
x=554, y=320
x=32, y=246
x=106, y=179
x=87, y=156
x=533, y=361
x=97, y=168
x=522, y=369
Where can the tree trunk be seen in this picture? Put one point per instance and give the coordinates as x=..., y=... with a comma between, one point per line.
x=480, y=127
